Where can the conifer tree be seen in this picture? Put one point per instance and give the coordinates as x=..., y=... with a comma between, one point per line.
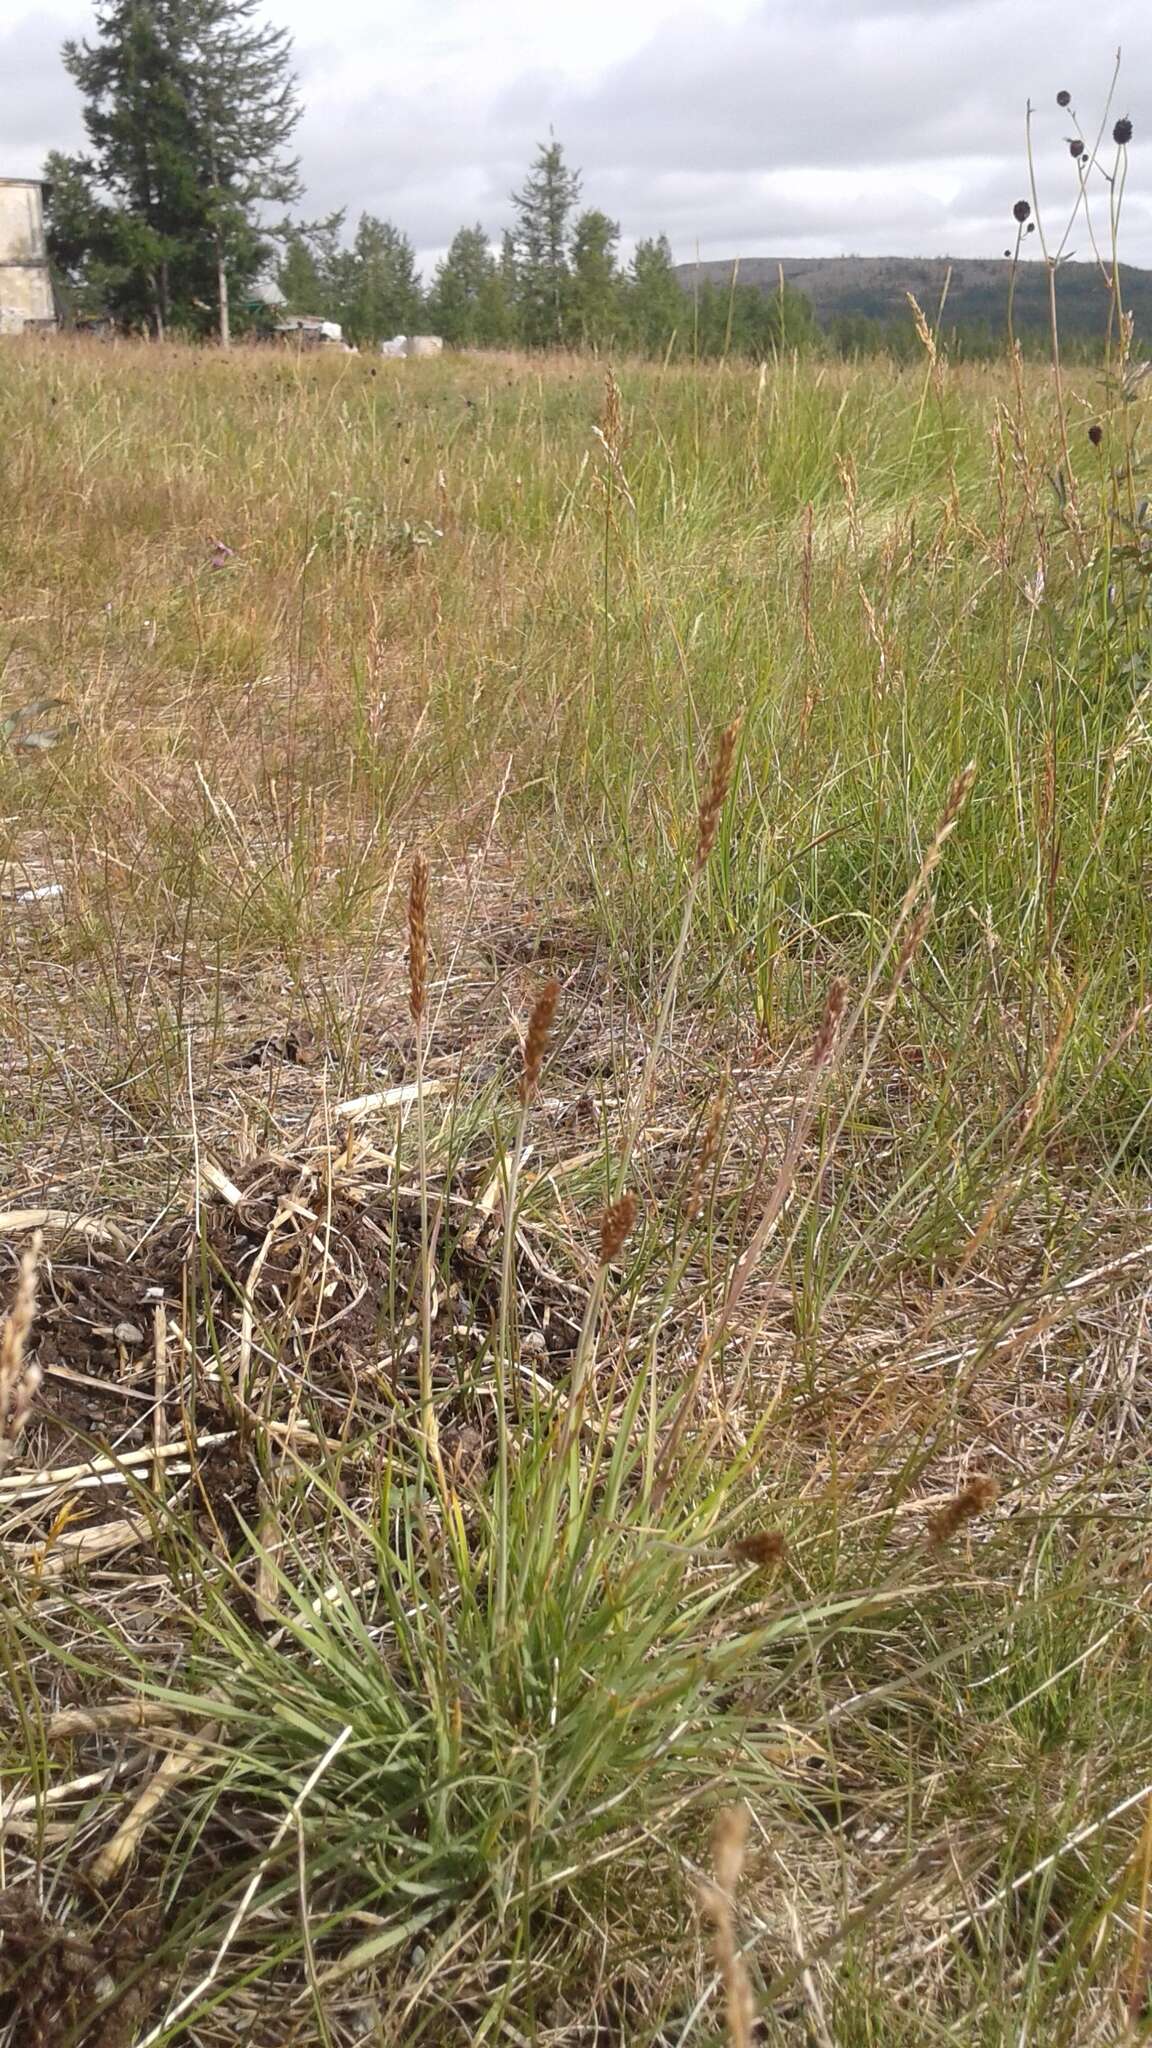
x=381, y=290
x=188, y=106
x=595, y=279
x=544, y=210
x=657, y=306
x=461, y=294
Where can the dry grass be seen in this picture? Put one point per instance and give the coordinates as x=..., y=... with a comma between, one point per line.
x=592, y=1174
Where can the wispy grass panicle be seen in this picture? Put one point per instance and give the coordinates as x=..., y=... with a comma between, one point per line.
x=418, y=938
x=19, y=1380
x=913, y=940
x=824, y=1043
x=716, y=794
x=612, y=417
x=707, y=1155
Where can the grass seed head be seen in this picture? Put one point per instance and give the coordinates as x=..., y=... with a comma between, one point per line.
x=707, y=1156
x=18, y=1383
x=764, y=1547
x=716, y=792
x=830, y=1023
x=612, y=418
x=536, y=1043
x=913, y=940
x=418, y=938
x=973, y=1499
x=728, y=1846
x=616, y=1227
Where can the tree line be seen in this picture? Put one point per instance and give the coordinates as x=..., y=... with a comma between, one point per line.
x=179, y=208
x=165, y=222
x=555, y=279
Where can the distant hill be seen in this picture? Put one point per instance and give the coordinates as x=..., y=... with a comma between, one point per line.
x=875, y=287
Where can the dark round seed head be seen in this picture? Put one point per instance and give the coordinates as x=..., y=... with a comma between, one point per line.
x=1031, y=228
x=1021, y=210
x=1063, y=99
x=1095, y=434
x=1008, y=252
x=1122, y=132
x=1076, y=147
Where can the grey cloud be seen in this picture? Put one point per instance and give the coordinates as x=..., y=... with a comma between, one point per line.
x=39, y=107
x=827, y=85
x=813, y=127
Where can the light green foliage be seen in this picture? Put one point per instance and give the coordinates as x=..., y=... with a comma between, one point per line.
x=595, y=279
x=468, y=304
x=377, y=287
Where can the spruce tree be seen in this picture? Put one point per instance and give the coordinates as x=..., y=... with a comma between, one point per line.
x=657, y=306
x=243, y=108
x=188, y=106
x=381, y=288
x=300, y=277
x=461, y=288
x=595, y=279
x=544, y=210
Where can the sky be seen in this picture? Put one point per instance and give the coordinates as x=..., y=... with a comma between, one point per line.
x=736, y=127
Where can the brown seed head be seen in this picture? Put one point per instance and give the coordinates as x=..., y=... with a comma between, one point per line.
x=18, y=1383
x=764, y=1548
x=612, y=418
x=973, y=1499
x=615, y=1227
x=418, y=937
x=716, y=792
x=957, y=798
x=913, y=941
x=1075, y=147
x=707, y=1156
x=830, y=1023
x=1063, y=99
x=1122, y=132
x=1095, y=433
x=1021, y=210
x=536, y=1043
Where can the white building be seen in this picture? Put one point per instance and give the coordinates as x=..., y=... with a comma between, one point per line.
x=26, y=298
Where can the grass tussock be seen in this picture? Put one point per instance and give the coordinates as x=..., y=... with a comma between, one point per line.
x=572, y=1410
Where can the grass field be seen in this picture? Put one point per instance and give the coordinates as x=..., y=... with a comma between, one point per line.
x=575, y=1126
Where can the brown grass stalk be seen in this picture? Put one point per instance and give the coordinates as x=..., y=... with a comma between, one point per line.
x=716, y=1901
x=823, y=1048
x=540, y=1024
x=418, y=1004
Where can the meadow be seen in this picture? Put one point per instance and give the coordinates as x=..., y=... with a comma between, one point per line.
x=575, y=1202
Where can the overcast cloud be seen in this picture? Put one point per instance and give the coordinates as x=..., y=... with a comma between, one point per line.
x=787, y=127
